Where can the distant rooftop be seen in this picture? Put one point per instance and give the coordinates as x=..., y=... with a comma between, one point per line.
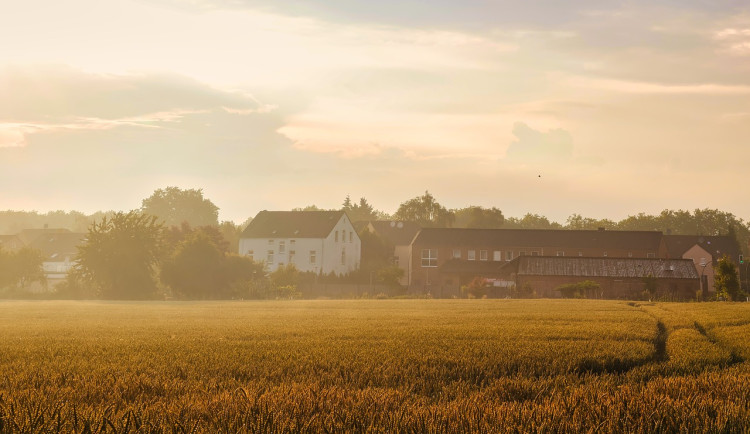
x=292, y=224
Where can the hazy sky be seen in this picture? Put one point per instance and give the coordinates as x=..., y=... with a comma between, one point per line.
x=621, y=107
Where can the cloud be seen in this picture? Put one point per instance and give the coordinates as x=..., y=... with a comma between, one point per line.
x=734, y=41
x=57, y=98
x=533, y=145
x=636, y=87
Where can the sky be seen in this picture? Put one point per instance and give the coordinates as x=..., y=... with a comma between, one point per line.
x=604, y=109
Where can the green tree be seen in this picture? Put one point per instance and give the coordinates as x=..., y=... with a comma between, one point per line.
x=196, y=269
x=284, y=281
x=245, y=278
x=173, y=206
x=583, y=289
x=177, y=234
x=120, y=255
x=21, y=268
x=531, y=221
x=361, y=211
x=425, y=211
x=479, y=218
x=726, y=282
x=578, y=222
x=477, y=288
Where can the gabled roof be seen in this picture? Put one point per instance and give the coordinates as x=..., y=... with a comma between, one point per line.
x=28, y=236
x=630, y=240
x=397, y=233
x=55, y=247
x=292, y=224
x=716, y=245
x=606, y=267
x=10, y=242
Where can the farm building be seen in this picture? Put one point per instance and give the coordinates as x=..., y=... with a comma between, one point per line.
x=433, y=247
x=617, y=277
x=317, y=241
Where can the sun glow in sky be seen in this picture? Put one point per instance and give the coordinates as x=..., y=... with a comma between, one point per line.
x=622, y=108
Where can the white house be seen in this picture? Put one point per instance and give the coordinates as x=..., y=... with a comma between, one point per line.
x=59, y=250
x=317, y=241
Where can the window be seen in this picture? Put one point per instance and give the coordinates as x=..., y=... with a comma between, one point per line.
x=482, y=255
x=457, y=253
x=560, y=253
x=394, y=260
x=471, y=255
x=269, y=257
x=703, y=262
x=313, y=256
x=282, y=246
x=521, y=253
x=336, y=236
x=650, y=255
x=351, y=237
x=630, y=254
x=497, y=255
x=343, y=256
x=270, y=242
x=509, y=255
x=534, y=253
x=291, y=256
x=605, y=253
x=580, y=253
x=250, y=255
x=292, y=242
x=429, y=257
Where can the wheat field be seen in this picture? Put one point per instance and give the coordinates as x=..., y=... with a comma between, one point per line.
x=409, y=366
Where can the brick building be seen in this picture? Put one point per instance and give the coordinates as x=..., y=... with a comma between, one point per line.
x=433, y=247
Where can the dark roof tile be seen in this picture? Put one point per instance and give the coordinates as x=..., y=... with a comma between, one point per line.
x=292, y=224
x=647, y=240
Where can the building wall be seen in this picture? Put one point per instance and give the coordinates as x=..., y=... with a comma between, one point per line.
x=261, y=250
x=613, y=288
x=342, y=252
x=339, y=252
x=703, y=264
x=420, y=273
x=402, y=255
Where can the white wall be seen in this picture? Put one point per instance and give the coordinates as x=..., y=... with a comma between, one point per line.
x=328, y=251
x=348, y=242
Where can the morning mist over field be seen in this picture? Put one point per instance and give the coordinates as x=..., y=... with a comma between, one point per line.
x=621, y=107
x=350, y=216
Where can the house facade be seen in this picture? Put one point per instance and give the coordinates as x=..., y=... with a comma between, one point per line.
x=315, y=241
x=704, y=251
x=433, y=247
x=398, y=235
x=59, y=249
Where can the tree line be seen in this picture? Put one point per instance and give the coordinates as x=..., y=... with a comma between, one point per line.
x=173, y=206
x=174, y=244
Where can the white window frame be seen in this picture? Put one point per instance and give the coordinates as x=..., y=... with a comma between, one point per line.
x=456, y=253
x=483, y=255
x=429, y=258
x=471, y=255
x=509, y=255
x=497, y=255
x=313, y=256
x=269, y=257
